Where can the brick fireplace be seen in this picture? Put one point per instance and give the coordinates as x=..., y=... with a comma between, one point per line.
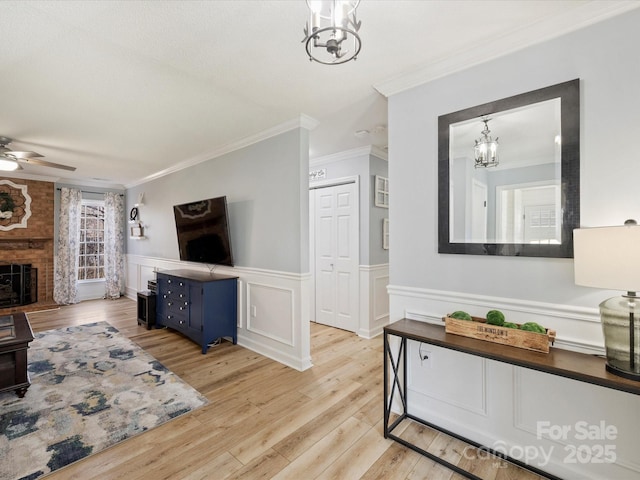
x=31, y=245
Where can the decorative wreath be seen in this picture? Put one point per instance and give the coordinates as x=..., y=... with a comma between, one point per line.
x=6, y=202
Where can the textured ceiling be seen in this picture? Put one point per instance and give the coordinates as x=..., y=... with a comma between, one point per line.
x=123, y=90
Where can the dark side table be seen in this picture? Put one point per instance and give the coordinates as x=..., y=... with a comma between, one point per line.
x=15, y=336
x=147, y=309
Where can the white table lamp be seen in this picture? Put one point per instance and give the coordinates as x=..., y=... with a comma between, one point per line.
x=609, y=258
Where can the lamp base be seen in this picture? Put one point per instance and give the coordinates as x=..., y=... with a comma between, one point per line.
x=623, y=373
x=621, y=328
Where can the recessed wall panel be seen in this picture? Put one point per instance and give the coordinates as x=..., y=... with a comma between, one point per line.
x=270, y=312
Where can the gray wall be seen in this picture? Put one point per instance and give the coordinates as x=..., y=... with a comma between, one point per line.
x=267, y=199
x=604, y=56
x=377, y=255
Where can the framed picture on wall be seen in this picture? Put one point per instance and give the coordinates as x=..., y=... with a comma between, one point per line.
x=137, y=231
x=381, y=192
x=385, y=233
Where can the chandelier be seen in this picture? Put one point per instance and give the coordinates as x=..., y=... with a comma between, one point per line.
x=331, y=34
x=486, y=149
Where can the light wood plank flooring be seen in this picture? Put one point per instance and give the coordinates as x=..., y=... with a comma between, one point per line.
x=265, y=420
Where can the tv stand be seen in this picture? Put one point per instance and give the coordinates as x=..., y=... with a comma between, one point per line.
x=200, y=305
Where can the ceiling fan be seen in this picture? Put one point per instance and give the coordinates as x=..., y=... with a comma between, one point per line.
x=10, y=159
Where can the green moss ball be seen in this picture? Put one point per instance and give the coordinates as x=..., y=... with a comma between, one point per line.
x=495, y=317
x=460, y=315
x=533, y=327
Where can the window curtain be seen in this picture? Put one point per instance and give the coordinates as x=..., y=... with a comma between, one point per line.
x=113, y=244
x=65, y=286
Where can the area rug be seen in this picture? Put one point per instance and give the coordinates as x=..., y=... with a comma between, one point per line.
x=91, y=387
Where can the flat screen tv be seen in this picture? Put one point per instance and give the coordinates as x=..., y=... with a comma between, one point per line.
x=203, y=231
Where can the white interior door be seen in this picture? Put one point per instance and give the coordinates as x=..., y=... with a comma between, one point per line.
x=336, y=256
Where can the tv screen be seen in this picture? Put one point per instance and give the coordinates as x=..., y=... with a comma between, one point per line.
x=203, y=231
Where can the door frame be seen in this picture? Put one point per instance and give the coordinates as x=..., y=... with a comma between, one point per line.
x=499, y=207
x=331, y=182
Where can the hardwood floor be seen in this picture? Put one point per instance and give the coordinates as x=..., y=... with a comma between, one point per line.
x=265, y=420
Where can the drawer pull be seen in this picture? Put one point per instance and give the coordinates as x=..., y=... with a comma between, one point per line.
x=169, y=304
x=169, y=317
x=181, y=322
x=168, y=281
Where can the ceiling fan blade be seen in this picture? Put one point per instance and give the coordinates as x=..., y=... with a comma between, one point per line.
x=13, y=153
x=44, y=163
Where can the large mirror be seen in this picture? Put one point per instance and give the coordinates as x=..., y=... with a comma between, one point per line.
x=509, y=175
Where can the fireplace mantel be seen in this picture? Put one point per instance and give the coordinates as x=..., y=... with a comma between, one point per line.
x=24, y=243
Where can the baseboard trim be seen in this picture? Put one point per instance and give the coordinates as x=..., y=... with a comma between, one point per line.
x=288, y=360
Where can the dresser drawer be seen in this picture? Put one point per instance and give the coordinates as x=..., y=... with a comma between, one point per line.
x=175, y=305
x=177, y=288
x=177, y=322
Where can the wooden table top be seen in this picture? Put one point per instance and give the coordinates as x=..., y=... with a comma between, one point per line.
x=21, y=331
x=565, y=363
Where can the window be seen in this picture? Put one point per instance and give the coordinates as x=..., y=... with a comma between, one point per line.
x=91, y=264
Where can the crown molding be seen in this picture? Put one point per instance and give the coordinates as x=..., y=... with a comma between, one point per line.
x=302, y=121
x=348, y=154
x=29, y=176
x=579, y=17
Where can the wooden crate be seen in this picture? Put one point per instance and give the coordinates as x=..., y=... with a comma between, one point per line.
x=480, y=329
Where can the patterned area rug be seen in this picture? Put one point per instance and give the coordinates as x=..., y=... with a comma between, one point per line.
x=91, y=387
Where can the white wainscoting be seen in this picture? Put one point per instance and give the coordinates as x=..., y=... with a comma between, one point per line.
x=374, y=299
x=279, y=326
x=577, y=328
x=510, y=408
x=265, y=302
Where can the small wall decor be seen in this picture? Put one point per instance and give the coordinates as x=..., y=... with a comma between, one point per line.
x=381, y=192
x=317, y=174
x=137, y=228
x=137, y=231
x=15, y=205
x=385, y=234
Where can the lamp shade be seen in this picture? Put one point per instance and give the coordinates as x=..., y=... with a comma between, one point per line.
x=608, y=257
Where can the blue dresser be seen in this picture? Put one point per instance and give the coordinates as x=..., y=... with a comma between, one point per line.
x=200, y=305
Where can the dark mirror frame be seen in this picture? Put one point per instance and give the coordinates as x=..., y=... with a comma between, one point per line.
x=569, y=94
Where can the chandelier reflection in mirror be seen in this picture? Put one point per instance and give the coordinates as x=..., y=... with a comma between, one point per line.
x=486, y=149
x=331, y=34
